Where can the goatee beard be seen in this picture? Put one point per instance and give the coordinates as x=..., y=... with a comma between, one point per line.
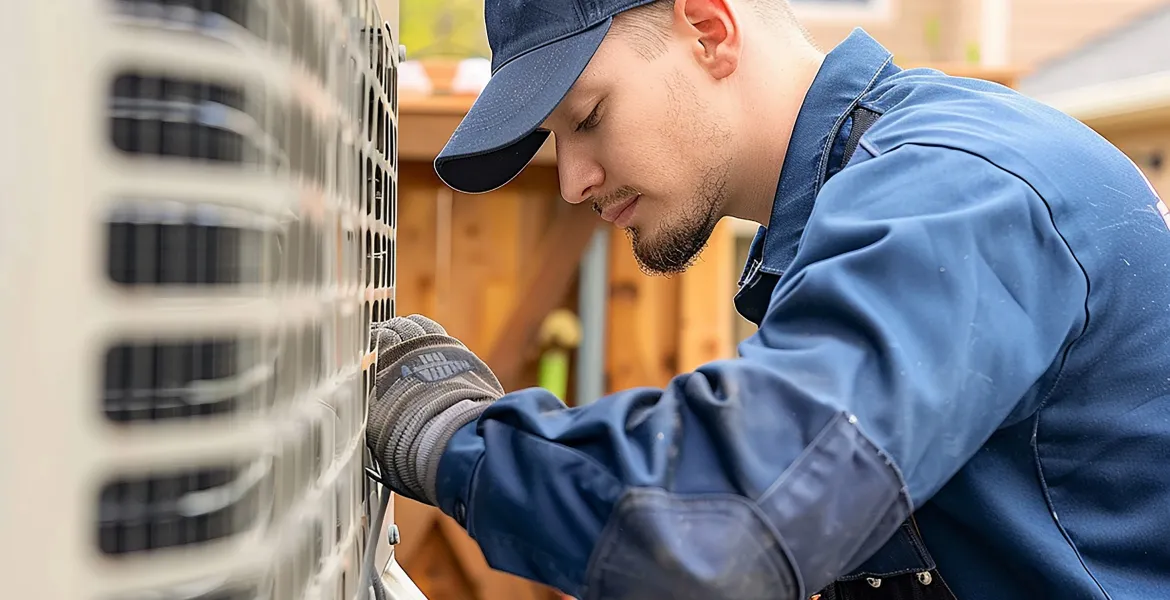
x=676, y=249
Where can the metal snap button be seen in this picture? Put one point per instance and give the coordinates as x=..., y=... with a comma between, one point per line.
x=873, y=582
x=924, y=578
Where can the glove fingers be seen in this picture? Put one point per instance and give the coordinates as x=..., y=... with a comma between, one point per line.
x=427, y=325
x=387, y=338
x=395, y=331
x=406, y=328
x=384, y=341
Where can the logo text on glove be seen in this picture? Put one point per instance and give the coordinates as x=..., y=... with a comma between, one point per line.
x=433, y=366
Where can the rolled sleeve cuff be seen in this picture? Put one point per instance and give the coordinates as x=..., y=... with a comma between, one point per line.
x=456, y=470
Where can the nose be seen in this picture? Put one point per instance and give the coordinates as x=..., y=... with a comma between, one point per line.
x=581, y=176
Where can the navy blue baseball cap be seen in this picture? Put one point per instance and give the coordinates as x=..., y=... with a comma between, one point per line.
x=539, y=49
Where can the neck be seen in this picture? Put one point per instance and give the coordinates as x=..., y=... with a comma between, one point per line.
x=776, y=83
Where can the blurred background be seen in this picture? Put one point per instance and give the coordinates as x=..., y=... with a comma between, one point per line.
x=549, y=298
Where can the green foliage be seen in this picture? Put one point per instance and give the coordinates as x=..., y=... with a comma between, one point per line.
x=974, y=53
x=932, y=32
x=443, y=28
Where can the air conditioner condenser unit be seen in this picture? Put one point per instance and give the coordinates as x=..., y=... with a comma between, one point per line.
x=197, y=228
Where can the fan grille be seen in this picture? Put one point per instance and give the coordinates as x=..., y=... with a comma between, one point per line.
x=247, y=234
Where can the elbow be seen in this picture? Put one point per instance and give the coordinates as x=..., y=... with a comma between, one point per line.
x=663, y=545
x=837, y=504
x=833, y=507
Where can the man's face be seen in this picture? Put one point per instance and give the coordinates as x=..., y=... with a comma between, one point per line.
x=645, y=142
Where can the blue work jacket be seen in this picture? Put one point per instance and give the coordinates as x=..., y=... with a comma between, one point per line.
x=968, y=323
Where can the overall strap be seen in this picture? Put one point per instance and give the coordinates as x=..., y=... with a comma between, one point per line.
x=859, y=121
x=863, y=118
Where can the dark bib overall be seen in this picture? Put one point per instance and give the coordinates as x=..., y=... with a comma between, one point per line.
x=902, y=569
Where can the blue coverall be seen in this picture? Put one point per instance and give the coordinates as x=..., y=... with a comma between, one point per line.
x=969, y=323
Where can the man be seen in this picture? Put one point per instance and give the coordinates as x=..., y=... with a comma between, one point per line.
x=960, y=386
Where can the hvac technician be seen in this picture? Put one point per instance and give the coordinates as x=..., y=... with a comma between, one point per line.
x=961, y=379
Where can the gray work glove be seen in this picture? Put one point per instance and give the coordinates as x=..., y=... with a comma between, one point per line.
x=428, y=386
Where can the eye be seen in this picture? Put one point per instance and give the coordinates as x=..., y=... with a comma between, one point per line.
x=591, y=121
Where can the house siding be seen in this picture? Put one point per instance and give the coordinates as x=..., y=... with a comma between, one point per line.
x=1042, y=30
x=906, y=30
x=1039, y=30
x=1149, y=148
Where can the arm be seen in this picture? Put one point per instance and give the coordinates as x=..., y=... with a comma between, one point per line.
x=931, y=301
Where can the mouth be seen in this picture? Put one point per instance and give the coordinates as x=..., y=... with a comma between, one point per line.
x=620, y=213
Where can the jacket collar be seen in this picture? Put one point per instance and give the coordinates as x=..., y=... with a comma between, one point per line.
x=849, y=71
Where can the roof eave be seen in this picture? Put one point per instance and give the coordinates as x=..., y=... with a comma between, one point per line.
x=1116, y=102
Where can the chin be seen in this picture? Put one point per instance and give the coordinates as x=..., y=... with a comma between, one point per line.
x=667, y=250
x=658, y=259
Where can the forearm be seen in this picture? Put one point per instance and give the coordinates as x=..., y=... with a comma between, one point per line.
x=704, y=487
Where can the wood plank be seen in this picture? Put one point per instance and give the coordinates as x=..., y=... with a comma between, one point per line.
x=502, y=261
x=623, y=369
x=706, y=315
x=471, y=245
x=416, y=522
x=669, y=334
x=416, y=259
x=436, y=571
x=543, y=289
x=641, y=336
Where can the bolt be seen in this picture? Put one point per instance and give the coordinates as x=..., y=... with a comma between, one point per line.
x=394, y=536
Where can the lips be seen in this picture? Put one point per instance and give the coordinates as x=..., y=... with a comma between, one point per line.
x=614, y=211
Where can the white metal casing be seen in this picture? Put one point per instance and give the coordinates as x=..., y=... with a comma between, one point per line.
x=196, y=231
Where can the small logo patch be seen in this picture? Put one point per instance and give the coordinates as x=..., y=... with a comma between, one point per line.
x=434, y=366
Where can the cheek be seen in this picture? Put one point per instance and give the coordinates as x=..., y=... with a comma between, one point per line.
x=654, y=158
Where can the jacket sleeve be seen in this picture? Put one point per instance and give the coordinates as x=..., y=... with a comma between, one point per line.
x=931, y=301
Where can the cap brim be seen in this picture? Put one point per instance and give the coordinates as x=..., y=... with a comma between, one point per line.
x=499, y=136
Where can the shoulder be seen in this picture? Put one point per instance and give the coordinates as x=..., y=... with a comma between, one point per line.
x=926, y=108
x=1004, y=134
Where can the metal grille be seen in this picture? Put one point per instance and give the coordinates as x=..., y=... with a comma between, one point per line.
x=172, y=380
x=211, y=191
x=188, y=507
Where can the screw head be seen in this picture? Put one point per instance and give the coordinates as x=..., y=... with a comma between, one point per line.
x=393, y=536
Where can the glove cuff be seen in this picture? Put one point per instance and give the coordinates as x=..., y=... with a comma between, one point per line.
x=435, y=437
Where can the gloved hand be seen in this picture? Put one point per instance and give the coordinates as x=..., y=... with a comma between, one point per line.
x=428, y=385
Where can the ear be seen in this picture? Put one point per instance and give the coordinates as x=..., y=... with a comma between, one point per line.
x=713, y=25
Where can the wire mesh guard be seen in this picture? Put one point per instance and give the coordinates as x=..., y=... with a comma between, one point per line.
x=248, y=239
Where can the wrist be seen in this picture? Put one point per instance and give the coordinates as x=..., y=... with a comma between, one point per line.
x=458, y=463
x=437, y=435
